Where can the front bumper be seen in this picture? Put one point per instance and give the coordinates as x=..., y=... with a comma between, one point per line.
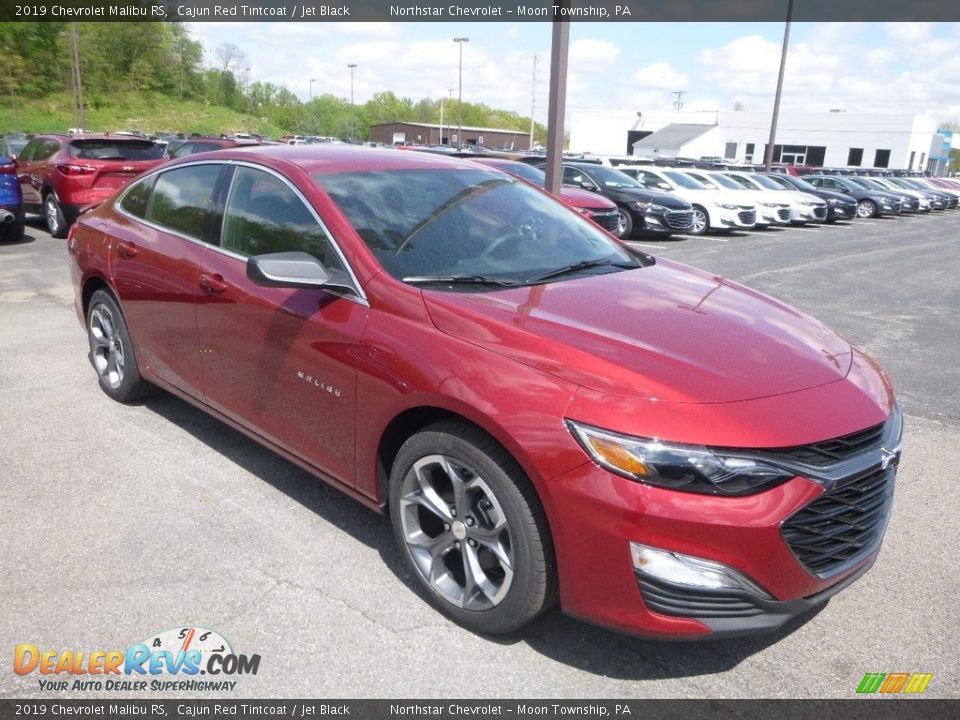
x=777, y=540
x=673, y=221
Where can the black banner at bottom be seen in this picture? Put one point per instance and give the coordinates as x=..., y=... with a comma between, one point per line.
x=854, y=709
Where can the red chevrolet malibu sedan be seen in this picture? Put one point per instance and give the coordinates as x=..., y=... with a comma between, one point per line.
x=546, y=414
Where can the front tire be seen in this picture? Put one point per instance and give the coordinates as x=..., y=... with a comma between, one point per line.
x=53, y=214
x=471, y=529
x=701, y=221
x=111, y=351
x=866, y=209
x=624, y=224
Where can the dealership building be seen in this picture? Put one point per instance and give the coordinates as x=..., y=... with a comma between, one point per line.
x=410, y=133
x=830, y=139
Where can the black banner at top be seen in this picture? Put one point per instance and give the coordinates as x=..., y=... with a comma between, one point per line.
x=476, y=10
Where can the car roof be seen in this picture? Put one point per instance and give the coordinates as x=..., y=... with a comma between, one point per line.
x=331, y=158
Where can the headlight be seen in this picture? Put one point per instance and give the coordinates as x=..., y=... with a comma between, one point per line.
x=727, y=206
x=833, y=201
x=770, y=204
x=809, y=203
x=689, y=468
x=651, y=207
x=582, y=211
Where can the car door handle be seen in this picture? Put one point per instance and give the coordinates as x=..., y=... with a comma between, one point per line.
x=127, y=249
x=213, y=284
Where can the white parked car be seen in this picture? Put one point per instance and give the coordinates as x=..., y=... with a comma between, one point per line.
x=770, y=211
x=713, y=208
x=804, y=207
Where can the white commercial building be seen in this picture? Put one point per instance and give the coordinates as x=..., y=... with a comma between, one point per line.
x=831, y=139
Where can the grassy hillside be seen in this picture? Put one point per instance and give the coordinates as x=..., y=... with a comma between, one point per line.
x=134, y=111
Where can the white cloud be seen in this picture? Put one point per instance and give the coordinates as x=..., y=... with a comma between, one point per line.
x=592, y=55
x=660, y=75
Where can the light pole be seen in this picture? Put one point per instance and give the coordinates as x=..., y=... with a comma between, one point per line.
x=450, y=91
x=460, y=41
x=312, y=81
x=353, y=129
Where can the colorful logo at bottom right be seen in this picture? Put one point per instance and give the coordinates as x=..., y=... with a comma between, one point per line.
x=894, y=683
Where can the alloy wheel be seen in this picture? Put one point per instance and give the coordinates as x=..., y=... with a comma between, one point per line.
x=106, y=347
x=456, y=533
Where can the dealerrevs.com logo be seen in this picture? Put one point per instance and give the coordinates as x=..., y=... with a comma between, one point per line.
x=187, y=658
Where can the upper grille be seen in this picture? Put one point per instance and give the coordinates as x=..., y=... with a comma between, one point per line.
x=748, y=217
x=842, y=525
x=606, y=219
x=828, y=452
x=680, y=219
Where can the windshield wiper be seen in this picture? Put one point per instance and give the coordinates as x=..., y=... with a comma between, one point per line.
x=458, y=280
x=576, y=267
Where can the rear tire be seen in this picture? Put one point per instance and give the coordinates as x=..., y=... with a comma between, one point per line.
x=471, y=528
x=111, y=351
x=13, y=232
x=53, y=214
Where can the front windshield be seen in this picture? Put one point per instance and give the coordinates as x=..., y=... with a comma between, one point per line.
x=613, y=178
x=469, y=226
x=685, y=181
x=767, y=182
x=734, y=183
x=802, y=184
x=856, y=182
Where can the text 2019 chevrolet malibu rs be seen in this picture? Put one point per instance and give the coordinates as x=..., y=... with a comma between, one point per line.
x=546, y=414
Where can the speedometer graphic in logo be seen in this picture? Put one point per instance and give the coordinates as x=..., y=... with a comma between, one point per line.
x=185, y=639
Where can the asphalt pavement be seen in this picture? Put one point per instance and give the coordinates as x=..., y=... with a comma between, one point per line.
x=119, y=522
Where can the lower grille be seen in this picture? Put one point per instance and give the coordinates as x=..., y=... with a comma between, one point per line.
x=747, y=217
x=606, y=219
x=668, y=599
x=783, y=213
x=820, y=213
x=679, y=219
x=843, y=525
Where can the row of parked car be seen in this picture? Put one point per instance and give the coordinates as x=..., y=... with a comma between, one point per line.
x=57, y=176
x=661, y=200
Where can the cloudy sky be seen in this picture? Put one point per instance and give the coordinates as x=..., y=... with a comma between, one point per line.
x=881, y=67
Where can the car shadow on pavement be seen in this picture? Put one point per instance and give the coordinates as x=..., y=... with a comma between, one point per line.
x=554, y=635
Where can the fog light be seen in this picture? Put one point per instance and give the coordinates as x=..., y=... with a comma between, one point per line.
x=680, y=569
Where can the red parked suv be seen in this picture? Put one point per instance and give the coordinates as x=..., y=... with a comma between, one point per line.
x=545, y=413
x=60, y=175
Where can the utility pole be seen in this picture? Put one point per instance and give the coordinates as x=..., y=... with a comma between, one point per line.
x=353, y=114
x=460, y=41
x=768, y=156
x=678, y=103
x=76, y=77
x=533, y=100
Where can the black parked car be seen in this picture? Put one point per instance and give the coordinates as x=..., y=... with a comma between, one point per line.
x=870, y=202
x=840, y=206
x=640, y=210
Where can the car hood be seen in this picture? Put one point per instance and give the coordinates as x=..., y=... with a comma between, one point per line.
x=585, y=199
x=666, y=332
x=714, y=196
x=626, y=195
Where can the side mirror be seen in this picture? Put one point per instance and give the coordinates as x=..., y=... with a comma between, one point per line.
x=293, y=270
x=664, y=186
x=587, y=185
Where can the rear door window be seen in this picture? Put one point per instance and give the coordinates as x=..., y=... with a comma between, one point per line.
x=136, y=199
x=183, y=201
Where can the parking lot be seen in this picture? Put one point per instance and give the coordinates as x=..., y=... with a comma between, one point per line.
x=119, y=522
